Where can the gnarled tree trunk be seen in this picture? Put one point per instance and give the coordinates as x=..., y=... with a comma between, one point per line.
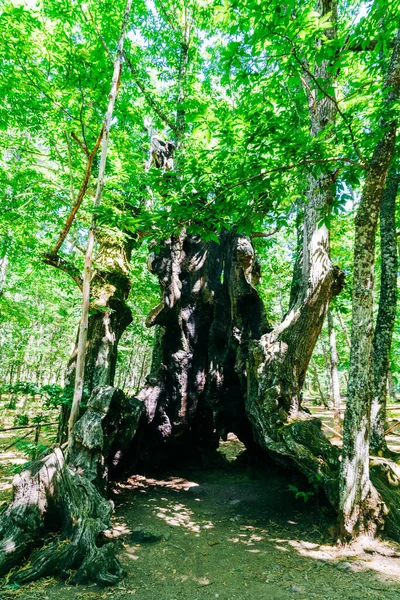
x=209, y=312
x=55, y=522
x=108, y=318
x=279, y=360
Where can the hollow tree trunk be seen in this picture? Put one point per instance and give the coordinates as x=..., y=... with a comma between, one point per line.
x=209, y=312
x=360, y=507
x=55, y=523
x=109, y=317
x=386, y=314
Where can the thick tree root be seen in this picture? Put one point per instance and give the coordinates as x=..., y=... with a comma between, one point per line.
x=58, y=512
x=50, y=498
x=385, y=476
x=294, y=438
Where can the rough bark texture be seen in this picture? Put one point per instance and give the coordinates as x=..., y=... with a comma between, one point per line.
x=360, y=507
x=386, y=313
x=109, y=317
x=58, y=512
x=335, y=388
x=279, y=360
x=104, y=434
x=209, y=312
x=276, y=370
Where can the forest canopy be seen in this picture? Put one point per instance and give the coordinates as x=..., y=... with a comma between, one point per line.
x=247, y=148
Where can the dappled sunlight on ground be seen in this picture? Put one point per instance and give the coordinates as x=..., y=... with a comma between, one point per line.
x=239, y=534
x=178, y=515
x=234, y=533
x=118, y=529
x=142, y=482
x=172, y=513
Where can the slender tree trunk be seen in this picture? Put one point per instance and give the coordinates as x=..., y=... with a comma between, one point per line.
x=386, y=313
x=87, y=273
x=344, y=329
x=361, y=510
x=327, y=365
x=3, y=272
x=335, y=387
x=318, y=383
x=110, y=316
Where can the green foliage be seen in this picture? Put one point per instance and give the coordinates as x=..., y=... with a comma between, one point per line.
x=21, y=420
x=314, y=480
x=244, y=163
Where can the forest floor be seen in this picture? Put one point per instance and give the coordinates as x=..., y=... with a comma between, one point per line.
x=229, y=533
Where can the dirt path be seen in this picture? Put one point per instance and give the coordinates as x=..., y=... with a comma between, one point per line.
x=229, y=534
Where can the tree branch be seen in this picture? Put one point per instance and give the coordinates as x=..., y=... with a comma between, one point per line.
x=331, y=98
x=288, y=168
x=100, y=37
x=148, y=97
x=80, y=197
x=63, y=265
x=88, y=268
x=265, y=234
x=81, y=145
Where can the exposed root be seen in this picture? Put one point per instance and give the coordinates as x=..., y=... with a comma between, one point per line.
x=60, y=516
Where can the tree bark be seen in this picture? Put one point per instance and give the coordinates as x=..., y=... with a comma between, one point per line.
x=59, y=513
x=335, y=387
x=318, y=383
x=343, y=326
x=386, y=314
x=279, y=360
x=108, y=319
x=87, y=272
x=209, y=312
x=391, y=387
x=361, y=510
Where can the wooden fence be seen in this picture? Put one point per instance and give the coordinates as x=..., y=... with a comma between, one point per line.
x=36, y=429
x=324, y=409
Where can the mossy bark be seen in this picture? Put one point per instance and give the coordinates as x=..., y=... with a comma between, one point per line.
x=56, y=520
x=386, y=313
x=360, y=509
x=109, y=317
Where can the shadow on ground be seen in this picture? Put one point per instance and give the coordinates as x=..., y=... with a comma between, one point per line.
x=230, y=534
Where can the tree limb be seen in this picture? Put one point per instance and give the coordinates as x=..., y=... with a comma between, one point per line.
x=265, y=234
x=148, y=97
x=88, y=268
x=58, y=262
x=264, y=172
x=81, y=194
x=81, y=145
